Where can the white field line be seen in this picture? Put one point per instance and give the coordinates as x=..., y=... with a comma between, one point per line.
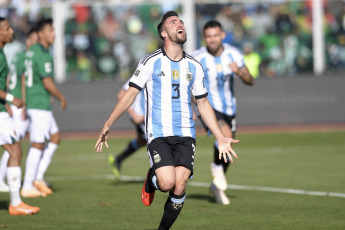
x=259, y=150
x=198, y=184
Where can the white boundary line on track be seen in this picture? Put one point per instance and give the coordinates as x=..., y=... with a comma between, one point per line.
x=198, y=184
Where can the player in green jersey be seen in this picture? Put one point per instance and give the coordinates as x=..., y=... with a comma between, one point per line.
x=18, y=114
x=39, y=89
x=8, y=137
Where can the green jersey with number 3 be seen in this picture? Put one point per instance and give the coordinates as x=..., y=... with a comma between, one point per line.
x=3, y=78
x=38, y=65
x=16, y=71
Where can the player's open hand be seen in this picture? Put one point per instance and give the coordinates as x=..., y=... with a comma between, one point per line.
x=102, y=139
x=63, y=104
x=225, y=149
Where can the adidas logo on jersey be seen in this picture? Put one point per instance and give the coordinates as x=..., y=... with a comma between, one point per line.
x=161, y=74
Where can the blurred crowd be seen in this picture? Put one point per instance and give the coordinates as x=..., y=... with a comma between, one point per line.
x=107, y=41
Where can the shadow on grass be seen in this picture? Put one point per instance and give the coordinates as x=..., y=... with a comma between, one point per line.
x=4, y=204
x=208, y=198
x=121, y=182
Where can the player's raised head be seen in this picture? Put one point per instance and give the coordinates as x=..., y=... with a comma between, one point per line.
x=165, y=16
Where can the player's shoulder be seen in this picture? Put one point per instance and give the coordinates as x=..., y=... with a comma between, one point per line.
x=19, y=56
x=231, y=49
x=151, y=57
x=3, y=61
x=2, y=55
x=38, y=48
x=192, y=59
x=199, y=52
x=31, y=51
x=35, y=47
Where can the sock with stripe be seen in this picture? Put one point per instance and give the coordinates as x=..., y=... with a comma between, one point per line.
x=172, y=209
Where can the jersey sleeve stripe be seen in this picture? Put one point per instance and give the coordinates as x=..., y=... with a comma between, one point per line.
x=131, y=84
x=199, y=52
x=201, y=96
x=148, y=57
x=152, y=57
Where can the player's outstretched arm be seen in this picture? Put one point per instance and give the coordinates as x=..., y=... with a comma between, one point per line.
x=224, y=143
x=124, y=103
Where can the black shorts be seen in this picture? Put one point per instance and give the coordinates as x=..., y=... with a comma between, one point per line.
x=230, y=120
x=172, y=151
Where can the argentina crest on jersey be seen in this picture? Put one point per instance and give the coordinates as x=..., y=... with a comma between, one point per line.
x=189, y=76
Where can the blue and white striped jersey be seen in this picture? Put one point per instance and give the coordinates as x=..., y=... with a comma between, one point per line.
x=138, y=105
x=219, y=77
x=169, y=86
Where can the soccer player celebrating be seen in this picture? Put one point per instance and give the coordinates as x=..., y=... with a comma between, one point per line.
x=221, y=63
x=39, y=88
x=136, y=114
x=170, y=77
x=8, y=137
x=15, y=88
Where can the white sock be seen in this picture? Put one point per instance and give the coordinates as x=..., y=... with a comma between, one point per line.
x=216, y=167
x=3, y=166
x=14, y=175
x=31, y=165
x=154, y=182
x=45, y=160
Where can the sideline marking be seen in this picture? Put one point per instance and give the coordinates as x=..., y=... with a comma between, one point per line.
x=199, y=184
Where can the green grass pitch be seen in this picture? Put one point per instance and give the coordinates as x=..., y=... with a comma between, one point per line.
x=86, y=197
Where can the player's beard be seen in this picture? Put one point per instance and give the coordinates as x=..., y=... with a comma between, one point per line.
x=178, y=39
x=214, y=50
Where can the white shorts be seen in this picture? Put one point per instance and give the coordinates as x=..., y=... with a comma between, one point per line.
x=21, y=126
x=7, y=133
x=41, y=124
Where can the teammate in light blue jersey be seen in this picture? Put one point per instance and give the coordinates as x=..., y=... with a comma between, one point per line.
x=222, y=63
x=169, y=78
x=137, y=115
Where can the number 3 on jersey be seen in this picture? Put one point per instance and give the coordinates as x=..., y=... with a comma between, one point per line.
x=177, y=89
